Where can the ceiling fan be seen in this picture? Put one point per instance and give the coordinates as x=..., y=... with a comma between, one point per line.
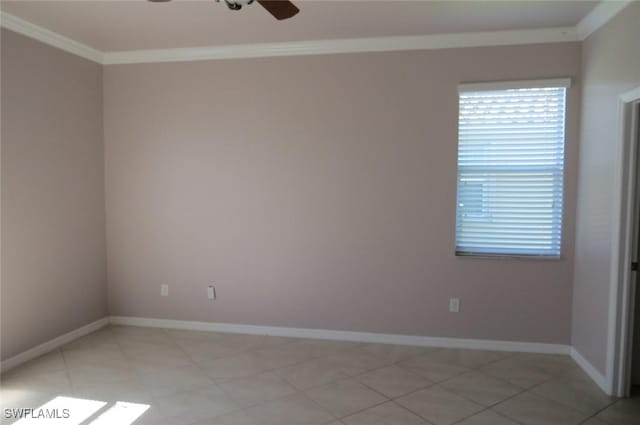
x=280, y=9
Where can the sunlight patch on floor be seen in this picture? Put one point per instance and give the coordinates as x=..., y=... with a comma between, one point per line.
x=121, y=413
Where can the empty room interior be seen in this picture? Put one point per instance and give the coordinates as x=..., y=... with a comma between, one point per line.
x=245, y=212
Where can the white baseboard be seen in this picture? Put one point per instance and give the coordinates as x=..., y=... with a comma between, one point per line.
x=425, y=341
x=51, y=345
x=593, y=373
x=474, y=344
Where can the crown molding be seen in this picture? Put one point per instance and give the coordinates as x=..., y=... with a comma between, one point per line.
x=600, y=15
x=51, y=38
x=355, y=45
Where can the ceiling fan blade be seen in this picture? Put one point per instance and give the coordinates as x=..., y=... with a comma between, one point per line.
x=280, y=9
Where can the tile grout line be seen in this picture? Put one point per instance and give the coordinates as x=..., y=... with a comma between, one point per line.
x=244, y=408
x=600, y=411
x=303, y=392
x=566, y=405
x=140, y=376
x=477, y=369
x=433, y=384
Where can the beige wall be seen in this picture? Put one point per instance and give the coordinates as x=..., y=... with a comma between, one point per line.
x=53, y=248
x=611, y=66
x=318, y=192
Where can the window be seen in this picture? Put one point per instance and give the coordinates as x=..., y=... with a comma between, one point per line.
x=510, y=168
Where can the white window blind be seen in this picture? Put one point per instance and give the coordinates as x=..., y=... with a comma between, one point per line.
x=510, y=169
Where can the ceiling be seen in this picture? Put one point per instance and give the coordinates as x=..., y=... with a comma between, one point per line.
x=138, y=24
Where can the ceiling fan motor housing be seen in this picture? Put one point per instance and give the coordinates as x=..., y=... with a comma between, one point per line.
x=237, y=4
x=279, y=9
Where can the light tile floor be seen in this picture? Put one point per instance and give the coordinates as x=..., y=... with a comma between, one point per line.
x=188, y=377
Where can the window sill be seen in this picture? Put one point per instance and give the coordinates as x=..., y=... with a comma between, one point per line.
x=509, y=257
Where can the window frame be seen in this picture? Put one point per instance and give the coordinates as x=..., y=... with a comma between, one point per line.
x=510, y=85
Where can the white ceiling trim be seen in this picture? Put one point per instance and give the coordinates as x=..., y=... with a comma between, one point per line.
x=354, y=45
x=51, y=38
x=600, y=15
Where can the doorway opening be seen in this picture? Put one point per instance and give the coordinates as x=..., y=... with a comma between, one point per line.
x=634, y=343
x=623, y=351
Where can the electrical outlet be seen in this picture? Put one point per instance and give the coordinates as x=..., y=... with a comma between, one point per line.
x=164, y=290
x=211, y=292
x=454, y=305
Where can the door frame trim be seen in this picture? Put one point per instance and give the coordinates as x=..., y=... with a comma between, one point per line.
x=621, y=302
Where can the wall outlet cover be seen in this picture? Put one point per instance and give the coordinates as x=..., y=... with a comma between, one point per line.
x=454, y=305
